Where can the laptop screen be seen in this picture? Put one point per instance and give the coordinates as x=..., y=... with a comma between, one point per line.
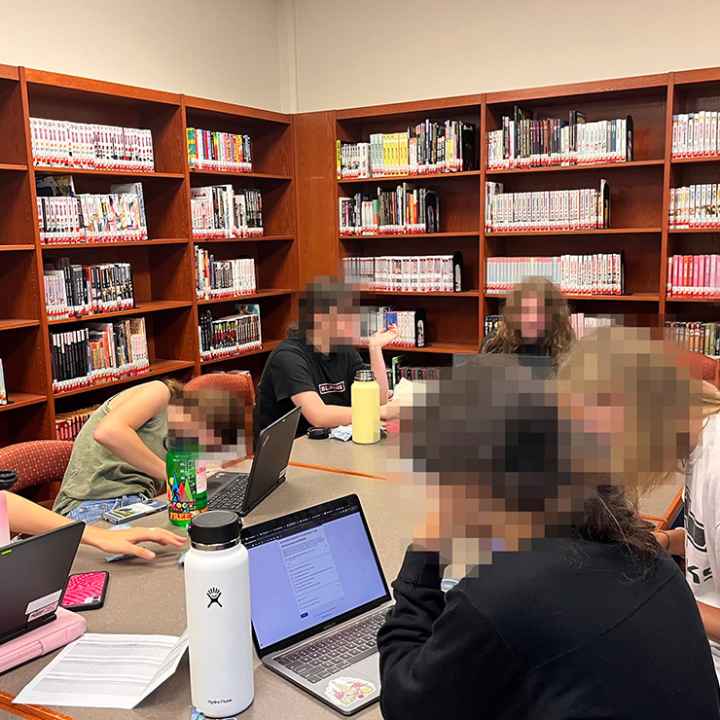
x=311, y=568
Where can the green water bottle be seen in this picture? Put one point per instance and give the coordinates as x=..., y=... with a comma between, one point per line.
x=187, y=489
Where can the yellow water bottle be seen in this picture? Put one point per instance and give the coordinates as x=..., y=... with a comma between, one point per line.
x=365, y=403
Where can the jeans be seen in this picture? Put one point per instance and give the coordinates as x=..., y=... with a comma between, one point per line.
x=90, y=511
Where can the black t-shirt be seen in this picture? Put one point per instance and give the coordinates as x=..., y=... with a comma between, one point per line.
x=294, y=367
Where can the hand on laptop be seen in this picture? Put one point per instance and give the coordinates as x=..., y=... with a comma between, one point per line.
x=124, y=542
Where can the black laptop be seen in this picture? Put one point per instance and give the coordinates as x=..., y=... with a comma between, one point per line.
x=242, y=492
x=35, y=572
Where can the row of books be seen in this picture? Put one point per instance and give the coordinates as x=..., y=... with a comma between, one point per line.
x=406, y=273
x=580, y=322
x=525, y=142
x=89, y=145
x=404, y=210
x=67, y=217
x=3, y=389
x=230, y=334
x=695, y=206
x=702, y=337
x=410, y=324
x=98, y=353
x=600, y=274
x=214, y=150
x=220, y=211
x=223, y=278
x=429, y=147
x=695, y=134
x=68, y=425
x=399, y=369
x=585, y=209
x=80, y=290
x=693, y=276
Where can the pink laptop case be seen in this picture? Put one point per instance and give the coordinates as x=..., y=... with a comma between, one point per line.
x=66, y=627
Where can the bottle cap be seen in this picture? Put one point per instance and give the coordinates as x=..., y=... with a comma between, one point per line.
x=364, y=374
x=215, y=530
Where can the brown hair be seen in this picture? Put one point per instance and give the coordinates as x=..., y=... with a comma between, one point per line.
x=559, y=335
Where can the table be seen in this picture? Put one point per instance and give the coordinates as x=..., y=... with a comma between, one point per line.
x=149, y=598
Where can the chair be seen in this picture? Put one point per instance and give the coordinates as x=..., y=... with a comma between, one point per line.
x=39, y=465
x=239, y=383
x=704, y=367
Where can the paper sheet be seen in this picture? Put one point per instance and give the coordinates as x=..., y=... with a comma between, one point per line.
x=106, y=671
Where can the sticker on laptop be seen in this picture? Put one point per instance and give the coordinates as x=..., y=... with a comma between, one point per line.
x=346, y=691
x=43, y=606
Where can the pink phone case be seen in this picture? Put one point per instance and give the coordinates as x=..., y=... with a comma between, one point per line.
x=85, y=589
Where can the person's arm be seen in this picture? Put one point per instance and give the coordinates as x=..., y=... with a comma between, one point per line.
x=318, y=414
x=433, y=649
x=28, y=518
x=377, y=361
x=117, y=430
x=711, y=620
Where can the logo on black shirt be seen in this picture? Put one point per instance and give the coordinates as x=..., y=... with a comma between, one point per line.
x=325, y=388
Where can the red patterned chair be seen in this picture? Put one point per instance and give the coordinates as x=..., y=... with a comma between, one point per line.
x=240, y=383
x=40, y=466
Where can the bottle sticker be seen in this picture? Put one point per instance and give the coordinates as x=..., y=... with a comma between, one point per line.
x=346, y=691
x=43, y=606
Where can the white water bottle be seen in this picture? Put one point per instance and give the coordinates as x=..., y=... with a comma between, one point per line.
x=217, y=599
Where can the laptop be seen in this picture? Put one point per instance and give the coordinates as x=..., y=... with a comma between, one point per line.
x=541, y=366
x=242, y=492
x=318, y=599
x=42, y=563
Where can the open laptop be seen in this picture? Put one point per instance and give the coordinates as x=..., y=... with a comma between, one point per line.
x=242, y=492
x=40, y=566
x=318, y=599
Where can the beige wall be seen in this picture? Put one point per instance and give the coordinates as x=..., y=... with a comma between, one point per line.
x=223, y=49
x=360, y=52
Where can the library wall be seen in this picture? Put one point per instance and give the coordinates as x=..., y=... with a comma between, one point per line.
x=379, y=51
x=224, y=49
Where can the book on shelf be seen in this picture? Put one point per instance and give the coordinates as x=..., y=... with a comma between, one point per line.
x=59, y=143
x=73, y=290
x=220, y=211
x=405, y=210
x=701, y=337
x=599, y=274
x=406, y=273
x=695, y=206
x=525, y=142
x=490, y=325
x=585, y=209
x=214, y=150
x=3, y=389
x=411, y=325
x=428, y=147
x=98, y=353
x=695, y=134
x=583, y=324
x=67, y=217
x=693, y=276
x=401, y=367
x=69, y=424
x=230, y=334
x=223, y=278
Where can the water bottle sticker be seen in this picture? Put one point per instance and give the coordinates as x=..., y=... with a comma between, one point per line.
x=346, y=691
x=195, y=714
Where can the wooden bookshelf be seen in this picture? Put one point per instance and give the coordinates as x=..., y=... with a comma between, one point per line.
x=163, y=266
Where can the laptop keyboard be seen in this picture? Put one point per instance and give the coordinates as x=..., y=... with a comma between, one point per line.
x=231, y=496
x=320, y=659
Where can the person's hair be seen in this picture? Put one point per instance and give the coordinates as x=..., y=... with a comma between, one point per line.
x=558, y=336
x=318, y=298
x=174, y=386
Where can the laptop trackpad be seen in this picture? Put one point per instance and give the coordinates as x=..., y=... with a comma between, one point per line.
x=352, y=686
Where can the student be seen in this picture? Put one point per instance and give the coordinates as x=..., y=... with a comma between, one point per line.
x=314, y=367
x=569, y=603
x=118, y=457
x=30, y=519
x=535, y=321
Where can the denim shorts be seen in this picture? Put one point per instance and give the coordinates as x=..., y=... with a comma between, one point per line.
x=90, y=511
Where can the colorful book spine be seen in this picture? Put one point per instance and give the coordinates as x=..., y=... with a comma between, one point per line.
x=406, y=273
x=3, y=389
x=695, y=134
x=693, y=276
x=223, y=278
x=221, y=212
x=231, y=334
x=411, y=325
x=68, y=425
x=700, y=337
x=695, y=206
x=213, y=150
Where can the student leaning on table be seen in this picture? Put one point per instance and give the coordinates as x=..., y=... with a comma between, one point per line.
x=569, y=602
x=28, y=518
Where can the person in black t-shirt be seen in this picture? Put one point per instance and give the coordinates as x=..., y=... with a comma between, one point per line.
x=315, y=366
x=535, y=321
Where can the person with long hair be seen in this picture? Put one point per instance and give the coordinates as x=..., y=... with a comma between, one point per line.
x=535, y=321
x=567, y=596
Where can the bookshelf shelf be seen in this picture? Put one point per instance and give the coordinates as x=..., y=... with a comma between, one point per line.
x=457, y=295
x=16, y=248
x=633, y=164
x=130, y=243
x=628, y=297
x=439, y=348
x=17, y=324
x=262, y=238
x=708, y=300
x=267, y=346
x=242, y=298
x=20, y=400
x=260, y=176
x=157, y=367
x=51, y=170
x=694, y=231
x=140, y=309
x=13, y=167
x=410, y=178
x=412, y=236
x=600, y=231
x=695, y=160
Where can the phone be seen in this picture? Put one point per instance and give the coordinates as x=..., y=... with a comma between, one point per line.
x=134, y=511
x=86, y=591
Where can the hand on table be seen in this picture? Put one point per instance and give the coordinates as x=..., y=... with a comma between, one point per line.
x=383, y=337
x=124, y=542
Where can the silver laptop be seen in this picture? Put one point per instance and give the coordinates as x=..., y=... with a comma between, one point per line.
x=318, y=598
